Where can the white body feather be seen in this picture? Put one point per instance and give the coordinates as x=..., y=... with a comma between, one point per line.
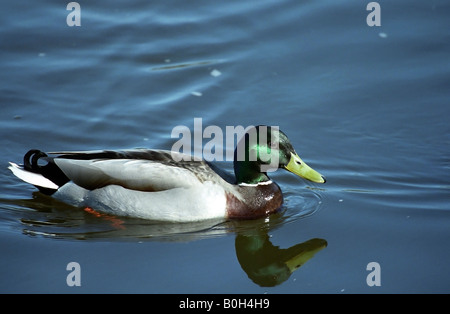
x=177, y=205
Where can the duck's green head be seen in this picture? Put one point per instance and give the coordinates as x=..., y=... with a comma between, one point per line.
x=263, y=149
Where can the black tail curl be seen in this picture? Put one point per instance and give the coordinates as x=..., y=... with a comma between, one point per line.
x=49, y=170
x=30, y=160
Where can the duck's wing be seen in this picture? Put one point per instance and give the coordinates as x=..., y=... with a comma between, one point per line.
x=142, y=175
x=142, y=170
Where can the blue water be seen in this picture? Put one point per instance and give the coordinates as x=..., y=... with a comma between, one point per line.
x=367, y=107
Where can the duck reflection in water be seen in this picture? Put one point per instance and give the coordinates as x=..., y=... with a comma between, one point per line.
x=268, y=265
x=265, y=264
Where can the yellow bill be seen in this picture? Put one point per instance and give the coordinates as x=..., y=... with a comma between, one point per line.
x=300, y=168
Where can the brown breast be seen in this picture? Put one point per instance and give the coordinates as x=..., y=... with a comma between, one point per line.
x=257, y=201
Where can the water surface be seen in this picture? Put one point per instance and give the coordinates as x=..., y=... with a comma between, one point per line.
x=366, y=106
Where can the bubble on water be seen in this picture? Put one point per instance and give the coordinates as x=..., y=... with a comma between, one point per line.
x=216, y=73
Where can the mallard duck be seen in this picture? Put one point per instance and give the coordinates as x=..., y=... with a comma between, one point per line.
x=168, y=186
